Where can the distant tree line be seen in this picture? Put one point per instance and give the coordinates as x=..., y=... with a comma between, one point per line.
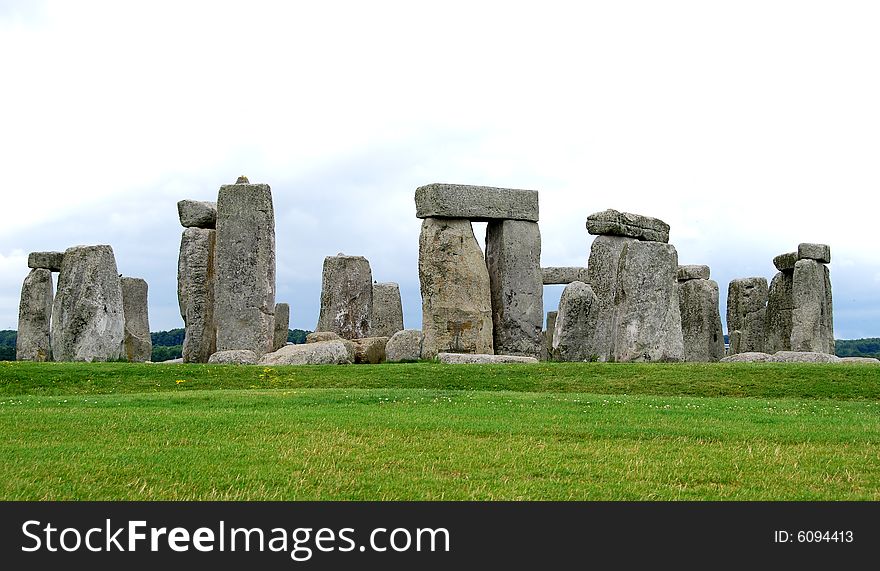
x=858, y=348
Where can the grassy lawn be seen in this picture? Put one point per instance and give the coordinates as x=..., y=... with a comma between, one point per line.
x=427, y=431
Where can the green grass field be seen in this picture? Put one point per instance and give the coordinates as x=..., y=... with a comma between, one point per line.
x=432, y=432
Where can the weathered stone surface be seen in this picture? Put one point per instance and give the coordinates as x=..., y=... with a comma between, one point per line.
x=747, y=357
x=604, y=262
x=482, y=359
x=613, y=223
x=197, y=214
x=87, y=314
x=564, y=275
x=46, y=260
x=346, y=296
x=245, y=257
x=321, y=353
x=405, y=345
x=387, y=317
x=370, y=350
x=282, y=324
x=513, y=258
x=480, y=203
x=575, y=325
x=785, y=262
x=456, y=298
x=819, y=252
x=196, y=283
x=803, y=357
x=701, y=328
x=138, y=343
x=34, y=317
x=549, y=332
x=321, y=336
x=860, y=360
x=647, y=318
x=746, y=314
x=233, y=357
x=812, y=323
x=693, y=272
x=780, y=304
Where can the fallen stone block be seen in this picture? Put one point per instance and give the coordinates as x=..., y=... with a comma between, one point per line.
x=747, y=357
x=803, y=357
x=860, y=360
x=321, y=353
x=478, y=359
x=405, y=345
x=370, y=350
x=233, y=357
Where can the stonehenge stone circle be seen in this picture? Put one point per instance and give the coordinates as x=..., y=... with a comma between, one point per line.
x=87, y=314
x=370, y=350
x=780, y=304
x=456, y=296
x=197, y=214
x=245, y=259
x=549, y=332
x=613, y=223
x=603, y=267
x=482, y=359
x=282, y=324
x=138, y=344
x=46, y=260
x=34, y=317
x=564, y=276
x=346, y=296
x=575, y=324
x=196, y=284
x=819, y=252
x=701, y=329
x=233, y=357
x=693, y=272
x=405, y=345
x=513, y=258
x=746, y=314
x=812, y=321
x=320, y=353
x=476, y=203
x=387, y=316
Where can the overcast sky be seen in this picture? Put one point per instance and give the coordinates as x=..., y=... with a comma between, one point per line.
x=748, y=126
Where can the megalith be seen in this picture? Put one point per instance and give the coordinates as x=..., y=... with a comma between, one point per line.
x=282, y=325
x=138, y=344
x=575, y=324
x=812, y=323
x=387, y=316
x=477, y=203
x=780, y=304
x=564, y=275
x=196, y=283
x=549, y=331
x=702, y=334
x=603, y=267
x=46, y=260
x=197, y=213
x=34, y=317
x=746, y=315
x=346, y=296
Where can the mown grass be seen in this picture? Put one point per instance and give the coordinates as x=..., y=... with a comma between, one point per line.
x=425, y=431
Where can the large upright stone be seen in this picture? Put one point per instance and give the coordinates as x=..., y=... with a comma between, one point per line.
x=604, y=263
x=513, y=258
x=575, y=325
x=196, y=284
x=549, y=332
x=197, y=214
x=564, y=275
x=812, y=323
x=282, y=324
x=138, y=343
x=88, y=321
x=613, y=223
x=701, y=329
x=387, y=317
x=456, y=297
x=346, y=296
x=647, y=318
x=34, y=317
x=245, y=257
x=746, y=315
x=780, y=303
x=480, y=203
x=46, y=260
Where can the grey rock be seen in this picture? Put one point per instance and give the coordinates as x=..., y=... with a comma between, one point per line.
x=456, y=298
x=549, y=332
x=575, y=325
x=346, y=296
x=245, y=257
x=480, y=203
x=819, y=252
x=803, y=357
x=87, y=314
x=693, y=272
x=197, y=214
x=647, y=318
x=321, y=336
x=34, y=317
x=564, y=275
x=233, y=357
x=746, y=314
x=700, y=320
x=613, y=223
x=860, y=360
x=46, y=260
x=812, y=323
x=405, y=345
x=482, y=359
x=747, y=357
x=780, y=304
x=387, y=317
x=370, y=350
x=196, y=285
x=173, y=361
x=785, y=262
x=321, y=353
x=138, y=343
x=604, y=264
x=513, y=258
x=282, y=324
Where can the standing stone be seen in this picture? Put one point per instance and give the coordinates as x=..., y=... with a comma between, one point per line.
x=513, y=258
x=245, y=257
x=46, y=260
x=604, y=262
x=481, y=203
x=34, y=316
x=575, y=324
x=282, y=324
x=456, y=297
x=548, y=335
x=780, y=304
x=647, y=318
x=701, y=329
x=746, y=315
x=812, y=327
x=387, y=317
x=87, y=315
x=196, y=283
x=346, y=296
x=138, y=343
